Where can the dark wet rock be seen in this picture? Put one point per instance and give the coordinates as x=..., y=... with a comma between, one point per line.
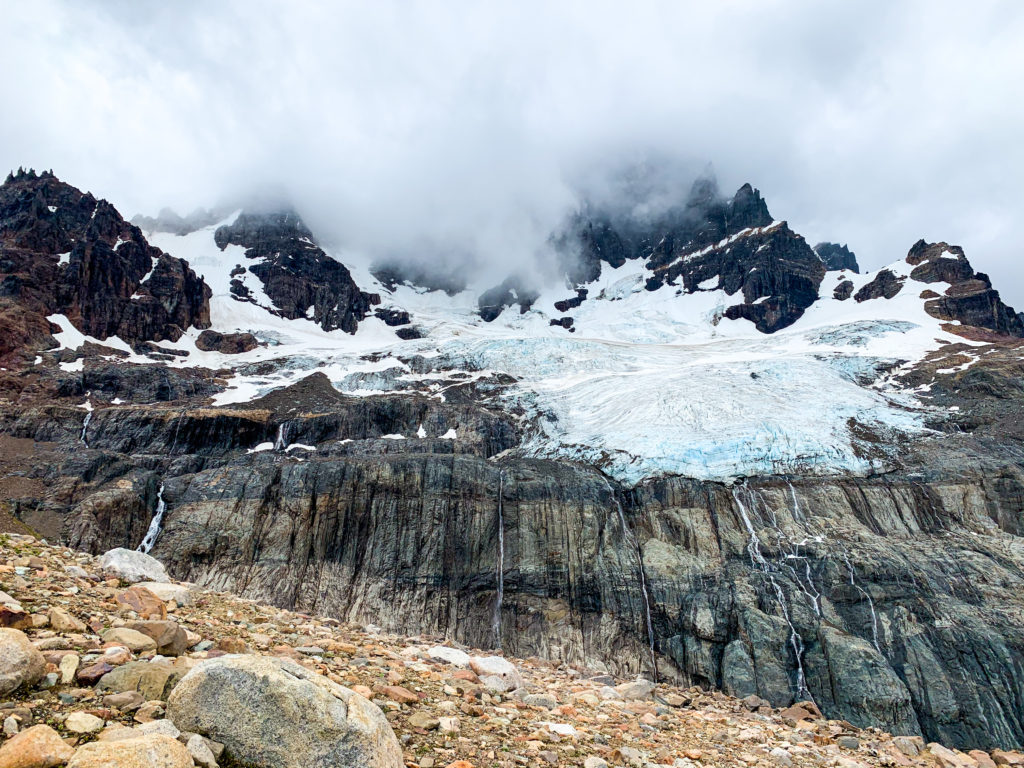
x=392, y=317
x=837, y=257
x=774, y=268
x=595, y=236
x=409, y=333
x=567, y=304
x=563, y=322
x=512, y=291
x=970, y=298
x=885, y=285
x=300, y=279
x=432, y=272
x=226, y=343
x=843, y=291
x=65, y=252
x=136, y=383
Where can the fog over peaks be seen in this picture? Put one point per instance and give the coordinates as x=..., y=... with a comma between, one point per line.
x=455, y=130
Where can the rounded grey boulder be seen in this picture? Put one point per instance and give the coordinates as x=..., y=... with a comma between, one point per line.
x=21, y=663
x=274, y=713
x=131, y=566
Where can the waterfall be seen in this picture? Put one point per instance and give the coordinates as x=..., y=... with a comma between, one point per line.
x=629, y=538
x=154, y=524
x=757, y=559
x=85, y=426
x=496, y=623
x=279, y=443
x=866, y=596
x=177, y=428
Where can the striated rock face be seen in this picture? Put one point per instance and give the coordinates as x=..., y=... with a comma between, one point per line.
x=837, y=257
x=970, y=297
x=892, y=601
x=65, y=252
x=298, y=277
x=891, y=629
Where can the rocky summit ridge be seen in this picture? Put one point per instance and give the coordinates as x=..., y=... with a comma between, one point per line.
x=100, y=666
x=705, y=457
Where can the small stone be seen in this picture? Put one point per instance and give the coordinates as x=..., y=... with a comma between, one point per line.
x=62, y=621
x=595, y=762
x=116, y=655
x=398, y=693
x=68, y=667
x=910, y=746
x=150, y=711
x=448, y=724
x=180, y=594
x=638, y=689
x=130, y=638
x=231, y=645
x=83, y=722
x=496, y=673
x=424, y=720
x=11, y=726
x=781, y=756
x=37, y=747
x=545, y=700
x=143, y=601
x=126, y=701
x=91, y=673
x=848, y=742
x=201, y=753
x=170, y=639
x=452, y=656
x=153, y=751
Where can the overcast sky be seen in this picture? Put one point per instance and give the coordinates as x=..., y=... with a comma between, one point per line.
x=470, y=125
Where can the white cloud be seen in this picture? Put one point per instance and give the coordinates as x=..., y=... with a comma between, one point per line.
x=394, y=123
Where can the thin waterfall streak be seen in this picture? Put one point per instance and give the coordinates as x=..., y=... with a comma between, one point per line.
x=85, y=426
x=631, y=541
x=867, y=597
x=760, y=563
x=496, y=623
x=279, y=443
x=154, y=525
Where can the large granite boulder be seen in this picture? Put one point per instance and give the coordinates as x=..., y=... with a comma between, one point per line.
x=21, y=664
x=274, y=713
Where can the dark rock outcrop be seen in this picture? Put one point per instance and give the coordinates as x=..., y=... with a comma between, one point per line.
x=512, y=291
x=392, y=317
x=885, y=285
x=774, y=268
x=837, y=257
x=226, y=343
x=843, y=291
x=970, y=297
x=65, y=252
x=300, y=279
x=708, y=236
x=595, y=236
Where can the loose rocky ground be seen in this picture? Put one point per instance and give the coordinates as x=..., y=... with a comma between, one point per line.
x=89, y=664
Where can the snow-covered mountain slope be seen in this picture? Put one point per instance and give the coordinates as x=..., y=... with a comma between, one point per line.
x=649, y=381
